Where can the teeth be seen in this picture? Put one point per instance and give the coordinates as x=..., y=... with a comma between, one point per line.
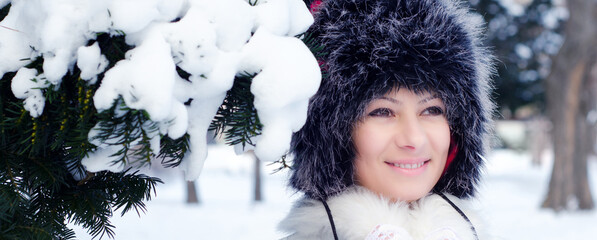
x=408, y=166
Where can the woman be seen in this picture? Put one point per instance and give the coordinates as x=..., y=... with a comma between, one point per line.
x=394, y=138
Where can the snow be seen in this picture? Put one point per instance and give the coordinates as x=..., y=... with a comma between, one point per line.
x=91, y=62
x=201, y=112
x=27, y=84
x=523, y=51
x=132, y=16
x=12, y=48
x=513, y=191
x=509, y=201
x=211, y=40
x=515, y=7
x=552, y=16
x=102, y=159
x=145, y=79
x=234, y=20
x=283, y=17
x=4, y=3
x=281, y=92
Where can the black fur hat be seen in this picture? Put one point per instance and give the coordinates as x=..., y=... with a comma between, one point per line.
x=374, y=46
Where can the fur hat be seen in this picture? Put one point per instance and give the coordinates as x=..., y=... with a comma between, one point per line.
x=374, y=46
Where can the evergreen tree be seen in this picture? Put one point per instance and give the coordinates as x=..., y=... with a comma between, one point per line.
x=524, y=44
x=44, y=186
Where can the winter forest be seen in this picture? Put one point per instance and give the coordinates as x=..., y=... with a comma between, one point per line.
x=171, y=119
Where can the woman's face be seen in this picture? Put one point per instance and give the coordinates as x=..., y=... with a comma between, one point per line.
x=402, y=144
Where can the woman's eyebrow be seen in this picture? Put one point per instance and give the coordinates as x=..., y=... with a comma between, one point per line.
x=427, y=99
x=422, y=101
x=393, y=100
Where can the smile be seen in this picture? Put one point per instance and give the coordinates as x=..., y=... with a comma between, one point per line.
x=411, y=168
x=408, y=166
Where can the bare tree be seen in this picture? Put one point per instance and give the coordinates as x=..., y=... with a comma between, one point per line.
x=571, y=95
x=192, y=193
x=257, y=179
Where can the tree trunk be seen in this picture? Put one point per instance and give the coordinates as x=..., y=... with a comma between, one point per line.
x=257, y=179
x=570, y=96
x=192, y=193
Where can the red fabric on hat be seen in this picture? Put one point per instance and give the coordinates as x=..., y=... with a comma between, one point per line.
x=315, y=5
x=451, y=155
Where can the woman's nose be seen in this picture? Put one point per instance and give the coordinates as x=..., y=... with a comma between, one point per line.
x=409, y=134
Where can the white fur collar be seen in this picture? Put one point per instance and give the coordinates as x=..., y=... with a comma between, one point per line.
x=357, y=211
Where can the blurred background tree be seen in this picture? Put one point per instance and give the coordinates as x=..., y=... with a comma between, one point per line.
x=547, y=66
x=571, y=99
x=525, y=35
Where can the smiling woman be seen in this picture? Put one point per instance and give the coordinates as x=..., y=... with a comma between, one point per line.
x=394, y=140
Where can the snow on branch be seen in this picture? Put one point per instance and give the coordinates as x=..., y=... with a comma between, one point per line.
x=212, y=41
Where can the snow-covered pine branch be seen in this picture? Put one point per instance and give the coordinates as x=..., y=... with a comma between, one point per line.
x=213, y=41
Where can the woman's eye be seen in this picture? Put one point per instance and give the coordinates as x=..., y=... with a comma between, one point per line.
x=433, y=111
x=381, y=112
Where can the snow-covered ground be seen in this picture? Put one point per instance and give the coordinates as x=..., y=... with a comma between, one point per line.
x=511, y=195
x=509, y=200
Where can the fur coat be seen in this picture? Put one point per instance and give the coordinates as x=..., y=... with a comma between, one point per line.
x=357, y=211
